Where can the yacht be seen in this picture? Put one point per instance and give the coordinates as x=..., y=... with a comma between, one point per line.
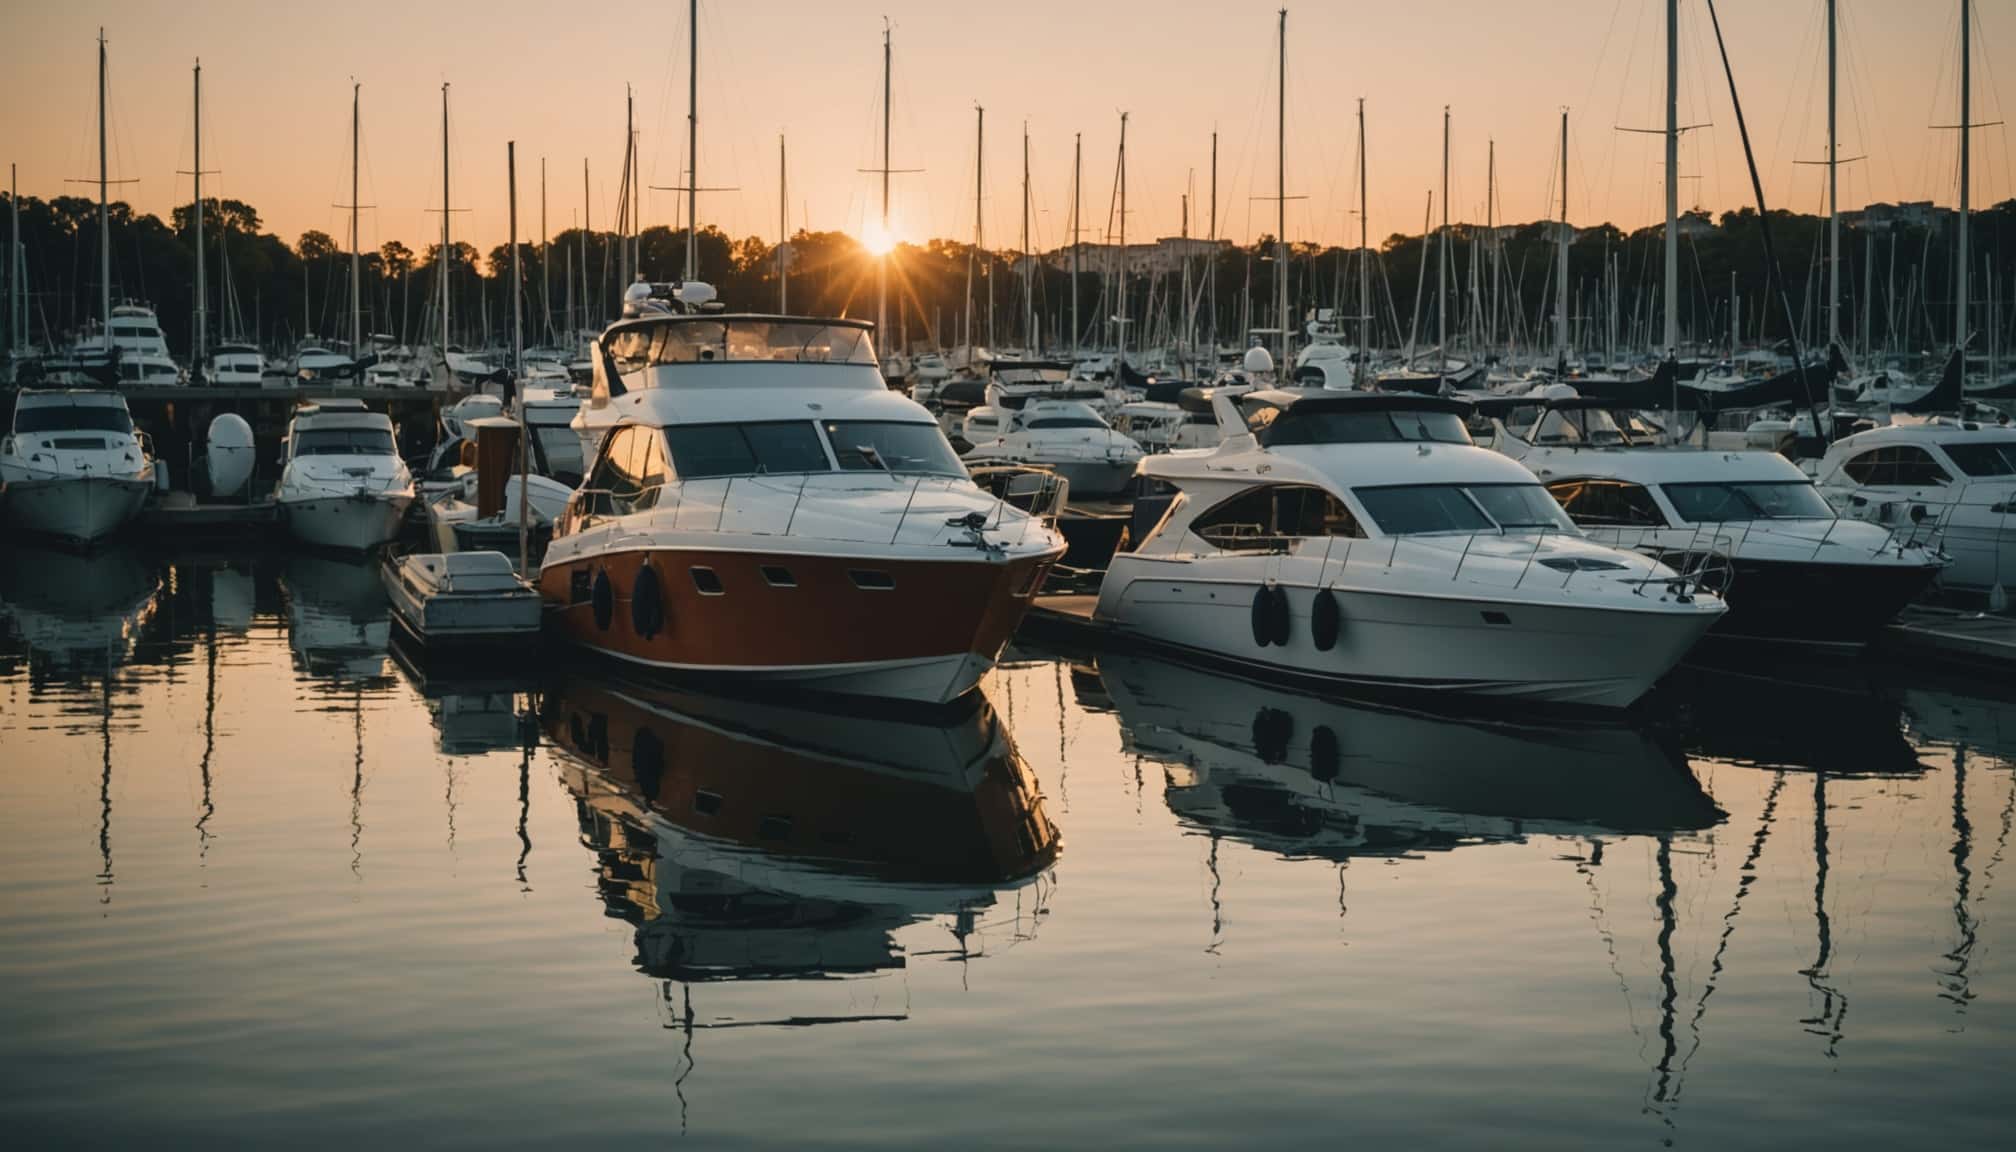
x=1792, y=569
x=1361, y=538
x=343, y=484
x=765, y=510
x=129, y=348
x=314, y=364
x=1948, y=483
x=235, y=365
x=72, y=466
x=1067, y=437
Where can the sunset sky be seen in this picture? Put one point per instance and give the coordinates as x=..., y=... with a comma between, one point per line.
x=277, y=107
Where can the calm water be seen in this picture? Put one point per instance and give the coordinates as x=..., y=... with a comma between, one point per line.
x=260, y=884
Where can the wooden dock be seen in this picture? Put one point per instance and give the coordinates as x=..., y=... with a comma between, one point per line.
x=1947, y=636
x=180, y=516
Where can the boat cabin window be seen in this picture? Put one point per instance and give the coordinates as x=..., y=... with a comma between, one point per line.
x=1608, y=504
x=890, y=446
x=703, y=450
x=629, y=473
x=705, y=340
x=1349, y=427
x=72, y=418
x=342, y=442
x=1983, y=458
x=1592, y=428
x=1269, y=517
x=1065, y=422
x=1769, y=500
x=1899, y=465
x=1419, y=509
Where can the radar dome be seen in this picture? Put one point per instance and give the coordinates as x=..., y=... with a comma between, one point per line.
x=1258, y=361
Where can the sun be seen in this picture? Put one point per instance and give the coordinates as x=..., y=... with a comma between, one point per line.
x=876, y=241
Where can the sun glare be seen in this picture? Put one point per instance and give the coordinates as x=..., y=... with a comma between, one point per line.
x=877, y=241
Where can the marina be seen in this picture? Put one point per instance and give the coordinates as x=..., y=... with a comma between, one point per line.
x=849, y=687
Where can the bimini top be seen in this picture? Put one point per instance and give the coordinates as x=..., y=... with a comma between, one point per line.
x=1364, y=418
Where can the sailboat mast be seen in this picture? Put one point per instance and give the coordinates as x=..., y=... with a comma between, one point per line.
x=1561, y=280
x=1960, y=333
x=1028, y=262
x=16, y=314
x=1213, y=329
x=587, y=226
x=104, y=208
x=1672, y=236
x=693, y=142
x=1121, y=296
x=627, y=203
x=1442, y=256
x=1491, y=237
x=1364, y=253
x=517, y=356
x=446, y=262
x=356, y=265
x=545, y=263
x=1281, y=191
x=1833, y=193
x=783, y=261
x=882, y=258
x=202, y=288
x=972, y=254
x=1077, y=205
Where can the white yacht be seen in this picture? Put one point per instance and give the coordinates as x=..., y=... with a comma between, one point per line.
x=130, y=345
x=1793, y=571
x=1949, y=483
x=1067, y=437
x=72, y=466
x=343, y=485
x=1361, y=538
x=314, y=364
x=766, y=510
x=235, y=365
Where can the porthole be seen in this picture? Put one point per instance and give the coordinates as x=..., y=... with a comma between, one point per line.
x=779, y=577
x=870, y=580
x=706, y=581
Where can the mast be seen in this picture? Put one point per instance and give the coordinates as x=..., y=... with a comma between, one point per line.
x=1561, y=285
x=1442, y=253
x=1833, y=193
x=882, y=258
x=356, y=283
x=202, y=288
x=1491, y=237
x=1364, y=255
x=1672, y=237
x=1960, y=333
x=972, y=254
x=545, y=251
x=447, y=260
x=783, y=262
x=16, y=314
x=1280, y=193
x=587, y=226
x=1121, y=296
x=1028, y=263
x=1077, y=204
x=1213, y=330
x=104, y=208
x=517, y=356
x=693, y=143
x=627, y=201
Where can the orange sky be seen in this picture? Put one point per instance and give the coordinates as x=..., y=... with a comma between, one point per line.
x=277, y=106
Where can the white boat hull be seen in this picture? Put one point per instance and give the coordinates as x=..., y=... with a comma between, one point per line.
x=1453, y=643
x=356, y=523
x=82, y=508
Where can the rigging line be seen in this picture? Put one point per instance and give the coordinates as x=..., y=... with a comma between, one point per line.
x=1601, y=918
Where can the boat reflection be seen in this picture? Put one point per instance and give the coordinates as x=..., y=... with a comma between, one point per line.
x=1304, y=776
x=1804, y=715
x=76, y=611
x=751, y=840
x=473, y=711
x=338, y=621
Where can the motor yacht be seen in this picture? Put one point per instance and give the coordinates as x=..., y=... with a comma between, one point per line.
x=764, y=510
x=1795, y=571
x=129, y=350
x=1362, y=538
x=236, y=366
x=343, y=484
x=72, y=466
x=314, y=364
x=1068, y=437
x=1948, y=483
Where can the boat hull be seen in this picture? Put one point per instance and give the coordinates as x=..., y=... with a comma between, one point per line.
x=928, y=636
x=355, y=523
x=80, y=509
x=1452, y=644
x=1826, y=605
x=1095, y=479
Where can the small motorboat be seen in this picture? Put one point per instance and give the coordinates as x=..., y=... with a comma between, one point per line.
x=461, y=598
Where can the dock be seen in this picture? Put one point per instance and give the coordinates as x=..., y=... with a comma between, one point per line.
x=1948, y=636
x=179, y=515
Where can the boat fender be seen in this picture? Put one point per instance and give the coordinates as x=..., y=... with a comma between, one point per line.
x=1263, y=627
x=1323, y=754
x=1277, y=614
x=602, y=599
x=1272, y=729
x=647, y=603
x=1325, y=619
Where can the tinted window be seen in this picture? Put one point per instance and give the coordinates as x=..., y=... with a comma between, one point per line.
x=614, y=488
x=691, y=341
x=1330, y=427
x=1984, y=459
x=702, y=450
x=1903, y=466
x=873, y=445
x=1714, y=503
x=72, y=418
x=1520, y=506
x=1268, y=518
x=1065, y=422
x=343, y=442
x=1608, y=504
x=1423, y=508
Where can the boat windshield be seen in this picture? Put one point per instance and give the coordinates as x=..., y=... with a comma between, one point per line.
x=72, y=418
x=1289, y=427
x=1983, y=459
x=1593, y=427
x=1066, y=422
x=342, y=442
x=707, y=341
x=779, y=446
x=890, y=446
x=1716, y=503
x=1419, y=509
